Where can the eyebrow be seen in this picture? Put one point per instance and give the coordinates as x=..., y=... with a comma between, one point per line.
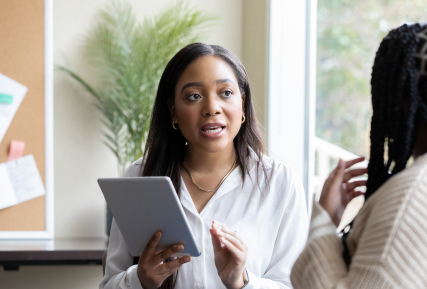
x=191, y=84
x=219, y=81
x=224, y=80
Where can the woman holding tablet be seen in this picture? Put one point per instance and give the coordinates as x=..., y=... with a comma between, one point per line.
x=246, y=210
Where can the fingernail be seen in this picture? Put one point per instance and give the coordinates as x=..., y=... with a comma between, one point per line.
x=158, y=234
x=187, y=259
x=178, y=248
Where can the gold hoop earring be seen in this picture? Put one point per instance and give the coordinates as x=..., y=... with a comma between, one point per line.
x=173, y=125
x=243, y=120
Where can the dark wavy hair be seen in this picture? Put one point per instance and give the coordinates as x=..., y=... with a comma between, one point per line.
x=165, y=147
x=397, y=79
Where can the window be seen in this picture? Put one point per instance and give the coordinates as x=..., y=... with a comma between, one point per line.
x=348, y=35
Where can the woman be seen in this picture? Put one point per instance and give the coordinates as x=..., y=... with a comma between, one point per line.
x=387, y=246
x=247, y=211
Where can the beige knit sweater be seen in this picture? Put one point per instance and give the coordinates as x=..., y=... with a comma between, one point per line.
x=388, y=243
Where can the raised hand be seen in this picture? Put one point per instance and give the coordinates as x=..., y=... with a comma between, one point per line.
x=152, y=270
x=230, y=255
x=337, y=191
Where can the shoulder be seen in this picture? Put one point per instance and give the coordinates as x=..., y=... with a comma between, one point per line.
x=410, y=179
x=135, y=169
x=398, y=191
x=284, y=185
x=395, y=203
x=280, y=172
x=393, y=222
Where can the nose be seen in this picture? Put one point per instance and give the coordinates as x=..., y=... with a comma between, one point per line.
x=211, y=106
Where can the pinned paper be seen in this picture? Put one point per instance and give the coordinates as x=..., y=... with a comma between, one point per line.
x=20, y=181
x=16, y=150
x=12, y=88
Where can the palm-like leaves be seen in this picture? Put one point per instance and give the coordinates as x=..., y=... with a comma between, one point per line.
x=130, y=58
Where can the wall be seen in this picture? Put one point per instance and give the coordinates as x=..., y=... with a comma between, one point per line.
x=80, y=156
x=255, y=53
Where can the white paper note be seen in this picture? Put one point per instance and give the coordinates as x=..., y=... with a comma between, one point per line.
x=20, y=181
x=7, y=111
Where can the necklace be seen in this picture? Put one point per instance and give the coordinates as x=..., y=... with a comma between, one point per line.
x=220, y=183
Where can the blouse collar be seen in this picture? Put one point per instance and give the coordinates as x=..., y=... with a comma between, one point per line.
x=233, y=180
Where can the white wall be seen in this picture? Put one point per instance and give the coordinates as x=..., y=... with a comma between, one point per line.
x=255, y=53
x=80, y=156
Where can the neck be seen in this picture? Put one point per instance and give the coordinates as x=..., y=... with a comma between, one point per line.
x=204, y=162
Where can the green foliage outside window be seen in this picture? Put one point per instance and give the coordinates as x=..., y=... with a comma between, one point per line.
x=349, y=33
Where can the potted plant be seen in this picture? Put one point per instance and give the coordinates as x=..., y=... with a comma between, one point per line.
x=129, y=57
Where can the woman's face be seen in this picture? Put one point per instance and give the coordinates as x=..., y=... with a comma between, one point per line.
x=208, y=105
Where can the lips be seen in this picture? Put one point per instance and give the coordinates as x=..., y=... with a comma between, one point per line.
x=213, y=127
x=213, y=130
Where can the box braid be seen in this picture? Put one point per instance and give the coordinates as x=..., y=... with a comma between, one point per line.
x=398, y=76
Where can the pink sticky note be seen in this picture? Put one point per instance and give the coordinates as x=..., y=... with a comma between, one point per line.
x=16, y=150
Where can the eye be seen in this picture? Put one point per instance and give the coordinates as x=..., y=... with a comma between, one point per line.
x=227, y=94
x=194, y=96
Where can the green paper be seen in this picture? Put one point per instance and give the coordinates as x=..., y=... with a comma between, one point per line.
x=6, y=98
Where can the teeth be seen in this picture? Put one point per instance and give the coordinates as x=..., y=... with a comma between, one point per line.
x=213, y=130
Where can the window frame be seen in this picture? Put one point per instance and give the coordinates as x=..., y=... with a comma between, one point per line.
x=292, y=86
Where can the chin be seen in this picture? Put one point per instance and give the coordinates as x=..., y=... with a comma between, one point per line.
x=214, y=149
x=214, y=146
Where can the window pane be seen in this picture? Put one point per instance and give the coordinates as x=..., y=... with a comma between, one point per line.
x=349, y=33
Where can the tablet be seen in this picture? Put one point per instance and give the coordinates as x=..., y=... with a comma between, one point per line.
x=143, y=205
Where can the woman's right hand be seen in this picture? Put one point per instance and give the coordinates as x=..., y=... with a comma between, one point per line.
x=152, y=270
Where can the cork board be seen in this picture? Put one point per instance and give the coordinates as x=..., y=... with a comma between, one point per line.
x=22, y=55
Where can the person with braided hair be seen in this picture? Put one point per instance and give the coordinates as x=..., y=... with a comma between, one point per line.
x=386, y=247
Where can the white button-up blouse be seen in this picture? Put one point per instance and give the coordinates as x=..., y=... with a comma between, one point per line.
x=270, y=219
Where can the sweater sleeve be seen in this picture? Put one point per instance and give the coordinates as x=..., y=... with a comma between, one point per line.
x=320, y=265
x=389, y=248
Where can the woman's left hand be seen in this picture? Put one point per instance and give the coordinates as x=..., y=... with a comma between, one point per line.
x=230, y=255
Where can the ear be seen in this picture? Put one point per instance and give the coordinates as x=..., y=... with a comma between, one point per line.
x=171, y=106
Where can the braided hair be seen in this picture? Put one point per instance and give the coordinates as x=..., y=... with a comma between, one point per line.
x=399, y=102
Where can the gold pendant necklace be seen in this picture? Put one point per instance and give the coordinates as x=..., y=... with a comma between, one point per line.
x=220, y=183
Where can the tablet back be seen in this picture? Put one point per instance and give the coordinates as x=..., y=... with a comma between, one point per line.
x=143, y=205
